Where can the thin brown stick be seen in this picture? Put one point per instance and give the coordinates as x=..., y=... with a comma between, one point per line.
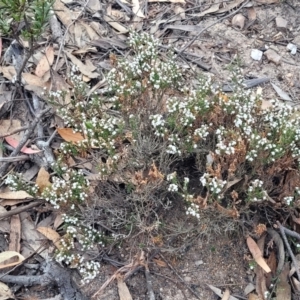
x=13, y=159
x=20, y=209
x=14, y=131
x=294, y=260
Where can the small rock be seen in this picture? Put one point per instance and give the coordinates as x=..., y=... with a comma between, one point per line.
x=292, y=48
x=256, y=54
x=281, y=23
x=198, y=263
x=249, y=288
x=273, y=56
x=187, y=278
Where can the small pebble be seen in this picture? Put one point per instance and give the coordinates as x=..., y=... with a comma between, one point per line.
x=199, y=262
x=281, y=23
x=256, y=54
x=292, y=48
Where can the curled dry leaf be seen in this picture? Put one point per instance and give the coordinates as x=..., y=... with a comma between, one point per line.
x=257, y=255
x=51, y=235
x=5, y=292
x=15, y=233
x=45, y=62
x=69, y=135
x=7, y=126
x=42, y=179
x=123, y=289
x=10, y=259
x=15, y=195
x=14, y=143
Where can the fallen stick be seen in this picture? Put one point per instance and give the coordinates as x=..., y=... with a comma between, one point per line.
x=54, y=273
x=294, y=260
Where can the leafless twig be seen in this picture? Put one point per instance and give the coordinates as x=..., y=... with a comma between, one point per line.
x=294, y=260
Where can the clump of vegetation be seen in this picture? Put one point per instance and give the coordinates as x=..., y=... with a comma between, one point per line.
x=34, y=14
x=141, y=133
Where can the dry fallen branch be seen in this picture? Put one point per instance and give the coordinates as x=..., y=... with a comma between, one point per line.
x=283, y=232
x=54, y=273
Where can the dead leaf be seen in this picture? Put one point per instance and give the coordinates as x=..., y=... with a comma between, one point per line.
x=58, y=221
x=114, y=24
x=14, y=143
x=51, y=235
x=214, y=8
x=92, y=35
x=5, y=292
x=8, y=72
x=283, y=288
x=42, y=179
x=137, y=9
x=94, y=5
x=10, y=259
x=160, y=263
x=251, y=13
x=233, y=213
x=45, y=62
x=257, y=255
x=178, y=10
x=226, y=295
x=31, y=79
x=33, y=240
x=282, y=94
x=15, y=233
x=69, y=135
x=124, y=293
x=253, y=297
x=15, y=195
x=63, y=13
x=7, y=126
x=84, y=69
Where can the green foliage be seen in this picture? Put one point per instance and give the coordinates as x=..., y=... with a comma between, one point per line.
x=34, y=13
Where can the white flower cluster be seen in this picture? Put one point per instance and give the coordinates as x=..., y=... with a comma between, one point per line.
x=202, y=132
x=214, y=184
x=193, y=210
x=256, y=192
x=173, y=149
x=173, y=187
x=89, y=270
x=229, y=149
x=171, y=176
x=145, y=65
x=17, y=183
x=288, y=200
x=67, y=191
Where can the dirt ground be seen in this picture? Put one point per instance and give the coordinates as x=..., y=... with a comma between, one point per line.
x=217, y=259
